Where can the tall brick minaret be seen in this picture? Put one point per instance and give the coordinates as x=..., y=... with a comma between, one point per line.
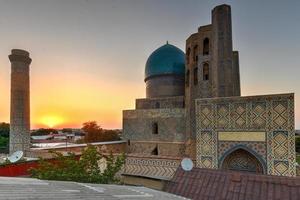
x=20, y=101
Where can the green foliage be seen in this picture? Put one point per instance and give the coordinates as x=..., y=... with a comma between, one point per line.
x=87, y=170
x=4, y=129
x=298, y=159
x=67, y=130
x=4, y=142
x=94, y=133
x=44, y=131
x=297, y=144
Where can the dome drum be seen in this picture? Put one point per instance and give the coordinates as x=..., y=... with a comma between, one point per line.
x=164, y=72
x=165, y=86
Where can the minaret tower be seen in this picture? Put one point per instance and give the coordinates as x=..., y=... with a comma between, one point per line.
x=20, y=101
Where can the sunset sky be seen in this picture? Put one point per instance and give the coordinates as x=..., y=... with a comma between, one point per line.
x=89, y=55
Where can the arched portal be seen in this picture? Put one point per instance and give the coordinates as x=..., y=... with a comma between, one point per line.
x=242, y=160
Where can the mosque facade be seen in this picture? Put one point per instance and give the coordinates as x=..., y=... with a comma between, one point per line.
x=193, y=108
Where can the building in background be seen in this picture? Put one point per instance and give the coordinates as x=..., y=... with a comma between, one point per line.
x=193, y=109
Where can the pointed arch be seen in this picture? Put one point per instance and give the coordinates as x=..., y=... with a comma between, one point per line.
x=242, y=158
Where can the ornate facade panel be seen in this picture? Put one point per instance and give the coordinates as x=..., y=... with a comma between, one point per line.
x=272, y=114
x=258, y=147
x=222, y=116
x=238, y=115
x=242, y=160
x=151, y=167
x=207, y=149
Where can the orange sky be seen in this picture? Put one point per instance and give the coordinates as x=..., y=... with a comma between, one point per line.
x=89, y=56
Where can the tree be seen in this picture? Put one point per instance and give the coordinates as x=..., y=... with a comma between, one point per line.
x=86, y=169
x=67, y=130
x=93, y=132
x=4, y=137
x=44, y=131
x=297, y=144
x=4, y=129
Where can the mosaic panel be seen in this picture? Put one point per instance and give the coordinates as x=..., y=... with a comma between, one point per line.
x=242, y=160
x=238, y=116
x=206, y=149
x=151, y=167
x=259, y=115
x=258, y=147
x=222, y=116
x=273, y=114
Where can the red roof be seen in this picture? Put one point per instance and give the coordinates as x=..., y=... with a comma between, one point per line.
x=232, y=185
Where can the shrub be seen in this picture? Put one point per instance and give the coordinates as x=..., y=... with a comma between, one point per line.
x=297, y=144
x=86, y=169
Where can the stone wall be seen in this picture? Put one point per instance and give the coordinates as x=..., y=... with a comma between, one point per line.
x=261, y=125
x=165, y=86
x=138, y=130
x=156, y=103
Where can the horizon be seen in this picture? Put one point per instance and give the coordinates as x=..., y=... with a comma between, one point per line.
x=88, y=57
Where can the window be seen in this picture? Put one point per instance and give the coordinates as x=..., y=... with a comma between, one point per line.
x=205, y=72
x=157, y=105
x=188, y=53
x=195, y=75
x=206, y=46
x=187, y=78
x=195, y=53
x=155, y=128
x=154, y=151
x=128, y=142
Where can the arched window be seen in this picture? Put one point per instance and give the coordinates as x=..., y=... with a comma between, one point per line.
x=187, y=78
x=206, y=46
x=155, y=128
x=188, y=53
x=195, y=53
x=205, y=72
x=195, y=75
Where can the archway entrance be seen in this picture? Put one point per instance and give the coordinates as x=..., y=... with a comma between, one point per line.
x=242, y=160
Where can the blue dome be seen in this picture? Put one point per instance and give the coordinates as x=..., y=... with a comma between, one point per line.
x=167, y=59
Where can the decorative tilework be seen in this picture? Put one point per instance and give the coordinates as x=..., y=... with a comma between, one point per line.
x=258, y=147
x=151, y=167
x=273, y=114
x=206, y=149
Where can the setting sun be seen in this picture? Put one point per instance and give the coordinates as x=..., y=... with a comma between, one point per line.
x=51, y=121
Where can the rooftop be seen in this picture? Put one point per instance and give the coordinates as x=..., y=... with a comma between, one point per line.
x=227, y=185
x=28, y=188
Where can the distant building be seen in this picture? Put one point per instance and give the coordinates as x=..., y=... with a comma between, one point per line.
x=193, y=109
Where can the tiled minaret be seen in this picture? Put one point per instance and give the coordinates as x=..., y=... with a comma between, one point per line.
x=20, y=101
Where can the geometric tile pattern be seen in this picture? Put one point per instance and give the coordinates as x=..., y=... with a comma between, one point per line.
x=151, y=167
x=258, y=147
x=273, y=114
x=206, y=149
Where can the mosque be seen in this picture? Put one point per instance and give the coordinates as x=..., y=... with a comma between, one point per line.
x=194, y=108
